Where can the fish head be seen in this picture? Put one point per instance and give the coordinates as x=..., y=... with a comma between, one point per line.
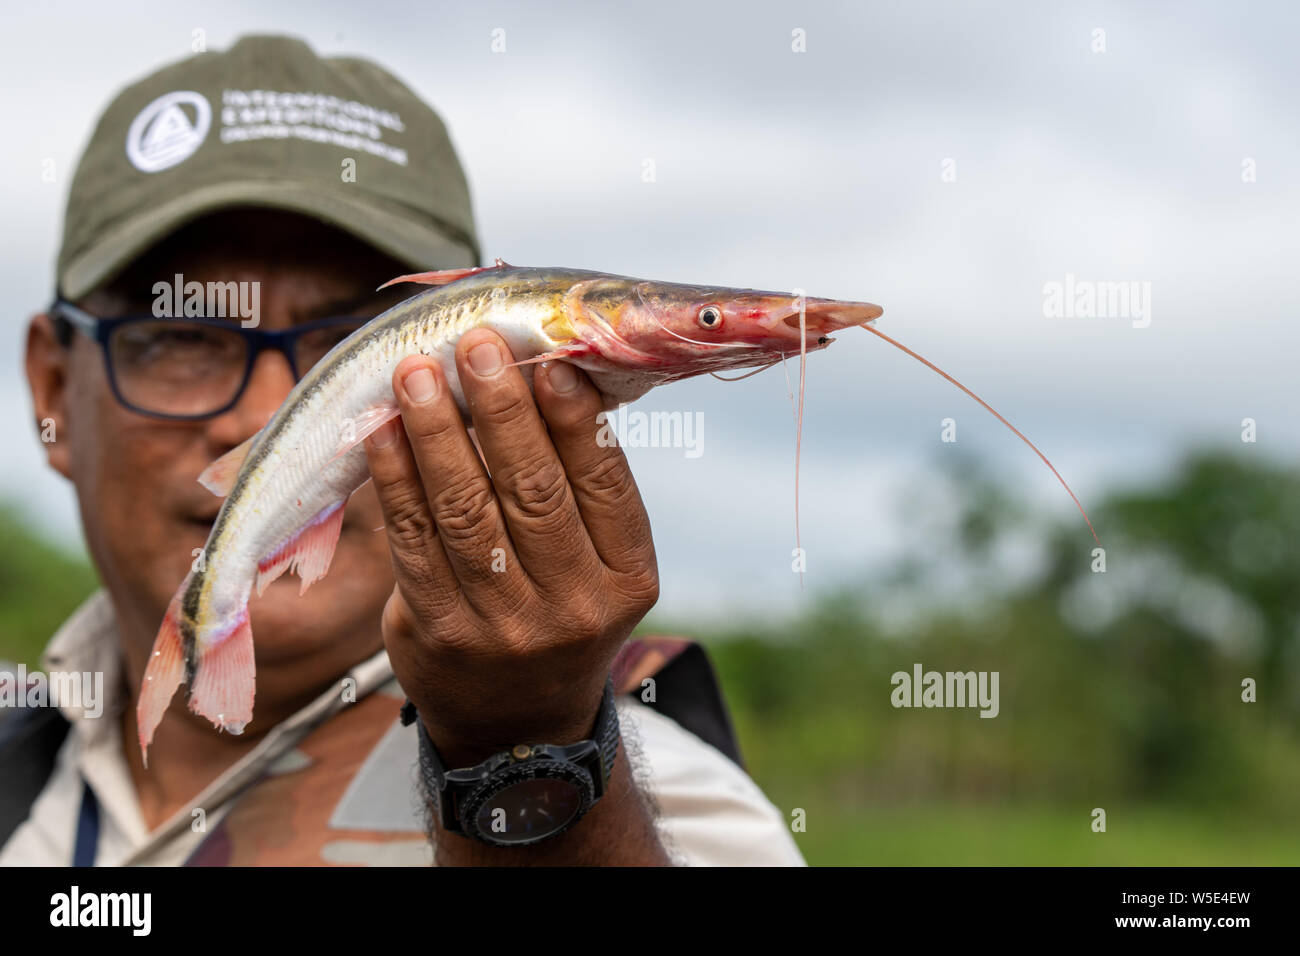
x=698, y=329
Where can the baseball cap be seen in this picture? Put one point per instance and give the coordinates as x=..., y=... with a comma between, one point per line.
x=266, y=123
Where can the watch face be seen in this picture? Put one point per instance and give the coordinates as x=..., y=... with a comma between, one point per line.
x=529, y=810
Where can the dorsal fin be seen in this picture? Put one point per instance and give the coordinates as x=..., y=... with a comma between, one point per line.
x=443, y=276
x=219, y=477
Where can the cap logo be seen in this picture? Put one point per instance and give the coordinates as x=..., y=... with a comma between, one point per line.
x=164, y=134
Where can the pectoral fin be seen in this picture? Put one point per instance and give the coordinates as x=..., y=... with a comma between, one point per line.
x=219, y=476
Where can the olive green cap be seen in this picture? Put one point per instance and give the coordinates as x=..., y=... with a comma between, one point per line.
x=267, y=123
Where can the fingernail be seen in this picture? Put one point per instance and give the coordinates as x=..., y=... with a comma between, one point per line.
x=562, y=377
x=385, y=434
x=420, y=385
x=485, y=359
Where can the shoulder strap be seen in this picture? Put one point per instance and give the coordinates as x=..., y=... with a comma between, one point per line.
x=29, y=743
x=685, y=687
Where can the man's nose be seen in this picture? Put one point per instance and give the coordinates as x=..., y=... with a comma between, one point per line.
x=269, y=384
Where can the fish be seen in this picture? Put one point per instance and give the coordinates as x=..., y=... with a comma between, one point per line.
x=285, y=488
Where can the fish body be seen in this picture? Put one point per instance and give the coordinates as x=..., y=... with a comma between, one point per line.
x=286, y=487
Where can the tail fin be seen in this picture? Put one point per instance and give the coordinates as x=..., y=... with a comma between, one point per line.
x=164, y=673
x=225, y=677
x=221, y=672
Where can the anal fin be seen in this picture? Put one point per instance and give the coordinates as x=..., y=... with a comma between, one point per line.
x=308, y=553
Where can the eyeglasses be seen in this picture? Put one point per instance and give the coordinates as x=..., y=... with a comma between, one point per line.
x=192, y=369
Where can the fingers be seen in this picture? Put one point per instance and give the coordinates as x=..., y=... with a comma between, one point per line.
x=599, y=474
x=459, y=498
x=419, y=562
x=538, y=504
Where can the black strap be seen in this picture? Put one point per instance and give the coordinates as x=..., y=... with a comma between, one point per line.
x=607, y=733
x=30, y=738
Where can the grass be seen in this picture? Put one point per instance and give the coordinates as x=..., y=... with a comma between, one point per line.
x=945, y=835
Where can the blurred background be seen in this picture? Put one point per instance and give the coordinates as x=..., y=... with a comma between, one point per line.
x=946, y=161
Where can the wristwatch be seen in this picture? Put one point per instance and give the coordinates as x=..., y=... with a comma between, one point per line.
x=524, y=795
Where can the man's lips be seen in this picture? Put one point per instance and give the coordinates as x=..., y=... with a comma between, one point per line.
x=205, y=519
x=201, y=516
x=201, y=525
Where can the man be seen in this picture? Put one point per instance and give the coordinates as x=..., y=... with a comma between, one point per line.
x=295, y=185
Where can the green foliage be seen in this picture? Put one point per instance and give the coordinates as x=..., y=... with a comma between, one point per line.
x=40, y=586
x=1120, y=690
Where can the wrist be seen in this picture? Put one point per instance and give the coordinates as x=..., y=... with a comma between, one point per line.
x=469, y=748
x=464, y=740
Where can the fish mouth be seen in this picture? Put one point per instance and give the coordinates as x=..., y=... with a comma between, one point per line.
x=822, y=316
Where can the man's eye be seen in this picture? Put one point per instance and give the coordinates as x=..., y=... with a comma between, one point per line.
x=175, y=336
x=313, y=345
x=185, y=337
x=331, y=336
x=154, y=345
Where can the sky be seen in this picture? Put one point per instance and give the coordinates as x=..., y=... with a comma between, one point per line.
x=946, y=161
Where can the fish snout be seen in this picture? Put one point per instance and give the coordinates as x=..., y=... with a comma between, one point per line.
x=822, y=316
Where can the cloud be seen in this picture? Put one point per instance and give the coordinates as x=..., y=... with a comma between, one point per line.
x=823, y=170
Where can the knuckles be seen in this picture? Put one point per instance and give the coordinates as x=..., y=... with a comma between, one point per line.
x=583, y=621
x=576, y=414
x=639, y=590
x=608, y=478
x=540, y=491
x=409, y=526
x=465, y=511
x=502, y=405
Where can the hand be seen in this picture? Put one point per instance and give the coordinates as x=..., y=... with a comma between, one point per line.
x=515, y=590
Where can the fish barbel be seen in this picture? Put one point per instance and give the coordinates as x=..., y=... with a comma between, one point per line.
x=286, y=487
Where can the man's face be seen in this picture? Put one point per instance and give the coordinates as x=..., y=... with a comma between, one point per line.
x=144, y=513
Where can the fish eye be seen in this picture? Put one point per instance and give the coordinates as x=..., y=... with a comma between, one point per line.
x=710, y=317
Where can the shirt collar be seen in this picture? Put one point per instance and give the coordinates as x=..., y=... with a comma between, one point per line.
x=87, y=644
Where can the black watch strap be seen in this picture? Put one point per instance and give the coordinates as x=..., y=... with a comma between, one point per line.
x=605, y=735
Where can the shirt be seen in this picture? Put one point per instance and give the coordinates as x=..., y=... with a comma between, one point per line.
x=336, y=782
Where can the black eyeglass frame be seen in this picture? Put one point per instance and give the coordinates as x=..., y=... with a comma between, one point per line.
x=257, y=340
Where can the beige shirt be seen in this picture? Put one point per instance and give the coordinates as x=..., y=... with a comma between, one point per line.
x=710, y=811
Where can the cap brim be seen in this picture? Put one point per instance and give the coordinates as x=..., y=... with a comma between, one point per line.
x=388, y=227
